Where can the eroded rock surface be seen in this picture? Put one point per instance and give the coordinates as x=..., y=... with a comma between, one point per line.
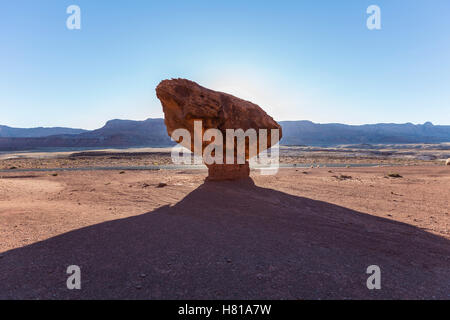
x=185, y=101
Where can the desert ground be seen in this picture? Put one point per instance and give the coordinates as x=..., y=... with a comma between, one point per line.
x=411, y=154
x=304, y=233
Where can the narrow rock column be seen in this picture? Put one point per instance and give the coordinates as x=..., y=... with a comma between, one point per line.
x=217, y=172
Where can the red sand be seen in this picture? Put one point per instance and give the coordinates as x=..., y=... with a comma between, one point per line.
x=295, y=235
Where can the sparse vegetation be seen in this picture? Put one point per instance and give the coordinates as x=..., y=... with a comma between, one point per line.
x=342, y=177
x=394, y=175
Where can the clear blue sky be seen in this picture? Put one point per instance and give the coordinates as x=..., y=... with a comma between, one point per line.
x=313, y=60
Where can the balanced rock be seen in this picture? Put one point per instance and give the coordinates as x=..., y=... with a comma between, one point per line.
x=184, y=102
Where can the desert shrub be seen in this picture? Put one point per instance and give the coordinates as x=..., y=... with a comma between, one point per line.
x=394, y=175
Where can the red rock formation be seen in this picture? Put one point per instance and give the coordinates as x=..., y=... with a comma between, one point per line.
x=185, y=101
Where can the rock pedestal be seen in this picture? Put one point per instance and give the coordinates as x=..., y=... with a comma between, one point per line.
x=220, y=172
x=184, y=102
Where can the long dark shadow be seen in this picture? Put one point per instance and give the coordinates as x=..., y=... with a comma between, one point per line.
x=234, y=240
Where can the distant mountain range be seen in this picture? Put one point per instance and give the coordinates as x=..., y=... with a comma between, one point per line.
x=8, y=132
x=152, y=132
x=309, y=133
x=115, y=133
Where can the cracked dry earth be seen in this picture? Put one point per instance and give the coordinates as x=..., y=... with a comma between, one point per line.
x=300, y=234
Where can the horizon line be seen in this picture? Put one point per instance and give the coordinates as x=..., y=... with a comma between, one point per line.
x=279, y=121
